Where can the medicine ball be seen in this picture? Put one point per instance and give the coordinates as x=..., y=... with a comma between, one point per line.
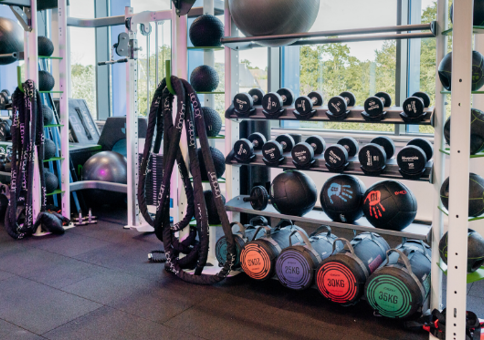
x=213, y=121
x=477, y=131
x=476, y=194
x=51, y=181
x=390, y=205
x=11, y=39
x=49, y=149
x=293, y=193
x=213, y=217
x=478, y=18
x=445, y=71
x=204, y=79
x=400, y=287
x=48, y=114
x=206, y=30
x=475, y=250
x=342, y=198
x=46, y=81
x=218, y=162
x=46, y=47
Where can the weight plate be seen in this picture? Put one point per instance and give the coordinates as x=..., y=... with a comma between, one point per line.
x=411, y=160
x=425, y=145
x=350, y=144
x=272, y=102
x=272, y=151
x=259, y=197
x=286, y=141
x=336, y=157
x=374, y=106
x=243, y=150
x=337, y=106
x=425, y=97
x=372, y=157
x=318, y=144
x=257, y=139
x=413, y=107
x=349, y=98
x=387, y=144
x=385, y=97
x=317, y=97
x=257, y=95
x=302, y=153
x=304, y=106
x=287, y=96
x=243, y=102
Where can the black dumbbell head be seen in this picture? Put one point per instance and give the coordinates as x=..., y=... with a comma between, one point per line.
x=349, y=97
x=318, y=144
x=411, y=160
x=257, y=95
x=350, y=144
x=372, y=158
x=272, y=103
x=302, y=154
x=257, y=139
x=316, y=98
x=287, y=96
x=413, y=107
x=387, y=144
x=272, y=151
x=337, y=106
x=243, y=102
x=297, y=137
x=287, y=142
x=336, y=157
x=304, y=106
x=374, y=107
x=243, y=150
x=259, y=198
x=425, y=145
x=424, y=96
x=387, y=100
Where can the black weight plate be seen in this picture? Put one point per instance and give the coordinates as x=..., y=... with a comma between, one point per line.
x=411, y=160
x=350, y=144
x=272, y=151
x=387, y=98
x=424, y=96
x=243, y=102
x=372, y=157
x=387, y=144
x=318, y=144
x=287, y=96
x=272, y=102
x=413, y=107
x=349, y=98
x=374, y=106
x=336, y=156
x=317, y=97
x=302, y=153
x=257, y=95
x=257, y=139
x=286, y=141
x=303, y=105
x=425, y=145
x=243, y=150
x=259, y=197
x=337, y=106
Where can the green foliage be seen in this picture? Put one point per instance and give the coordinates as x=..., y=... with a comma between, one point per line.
x=83, y=80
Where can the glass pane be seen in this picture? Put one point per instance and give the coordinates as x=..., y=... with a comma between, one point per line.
x=150, y=5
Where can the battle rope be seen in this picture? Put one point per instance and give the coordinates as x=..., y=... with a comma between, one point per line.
x=190, y=116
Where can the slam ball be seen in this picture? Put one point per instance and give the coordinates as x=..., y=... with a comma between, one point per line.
x=218, y=162
x=475, y=250
x=293, y=193
x=204, y=79
x=46, y=81
x=213, y=122
x=342, y=198
x=47, y=113
x=476, y=194
x=206, y=30
x=477, y=131
x=445, y=71
x=389, y=205
x=46, y=47
x=478, y=19
x=49, y=149
x=51, y=181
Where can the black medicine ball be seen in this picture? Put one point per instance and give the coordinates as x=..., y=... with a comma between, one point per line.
x=342, y=198
x=445, y=71
x=475, y=250
x=218, y=162
x=46, y=47
x=293, y=193
x=213, y=121
x=204, y=79
x=206, y=30
x=476, y=194
x=477, y=131
x=46, y=81
x=390, y=205
x=48, y=114
x=213, y=217
x=478, y=19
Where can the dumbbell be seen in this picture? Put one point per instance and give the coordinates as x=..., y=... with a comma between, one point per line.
x=244, y=147
x=337, y=155
x=373, y=156
x=303, y=153
x=272, y=150
x=338, y=105
x=304, y=105
x=414, y=106
x=273, y=103
x=259, y=198
x=413, y=158
x=244, y=102
x=5, y=129
x=375, y=106
x=5, y=99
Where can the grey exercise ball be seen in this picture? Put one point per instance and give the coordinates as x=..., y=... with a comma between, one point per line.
x=270, y=17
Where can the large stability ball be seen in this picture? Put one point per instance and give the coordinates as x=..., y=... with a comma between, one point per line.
x=270, y=17
x=475, y=250
x=477, y=131
x=106, y=166
x=445, y=71
x=204, y=79
x=478, y=19
x=11, y=39
x=206, y=30
x=476, y=194
x=293, y=193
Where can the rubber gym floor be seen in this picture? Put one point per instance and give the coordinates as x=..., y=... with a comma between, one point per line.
x=95, y=282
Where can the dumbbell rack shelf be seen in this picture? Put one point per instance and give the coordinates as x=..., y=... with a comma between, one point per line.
x=470, y=219
x=353, y=168
x=475, y=30
x=420, y=230
x=392, y=116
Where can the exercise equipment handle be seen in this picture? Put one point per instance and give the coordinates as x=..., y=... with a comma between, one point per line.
x=110, y=62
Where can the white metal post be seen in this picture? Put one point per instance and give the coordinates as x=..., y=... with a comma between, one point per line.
x=459, y=170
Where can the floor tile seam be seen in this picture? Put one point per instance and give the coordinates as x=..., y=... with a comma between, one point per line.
x=72, y=320
x=22, y=327
x=164, y=323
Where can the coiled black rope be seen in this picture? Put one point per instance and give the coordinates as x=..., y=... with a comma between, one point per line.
x=190, y=117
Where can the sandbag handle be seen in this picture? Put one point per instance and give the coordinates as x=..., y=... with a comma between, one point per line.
x=241, y=228
x=303, y=236
x=424, y=248
x=402, y=257
x=318, y=231
x=347, y=245
x=268, y=231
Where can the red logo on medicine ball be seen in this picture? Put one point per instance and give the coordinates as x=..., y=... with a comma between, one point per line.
x=376, y=207
x=403, y=192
